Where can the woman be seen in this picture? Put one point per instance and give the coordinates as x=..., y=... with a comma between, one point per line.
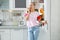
x=32, y=22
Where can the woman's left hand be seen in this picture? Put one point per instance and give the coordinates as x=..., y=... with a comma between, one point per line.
x=44, y=22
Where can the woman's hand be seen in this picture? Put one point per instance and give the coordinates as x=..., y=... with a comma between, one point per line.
x=27, y=17
x=44, y=22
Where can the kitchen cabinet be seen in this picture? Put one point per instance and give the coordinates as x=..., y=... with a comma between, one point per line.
x=4, y=34
x=19, y=4
x=13, y=34
x=16, y=34
x=25, y=34
x=4, y=4
x=14, y=4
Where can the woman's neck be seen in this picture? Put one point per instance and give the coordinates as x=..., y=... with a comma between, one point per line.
x=33, y=10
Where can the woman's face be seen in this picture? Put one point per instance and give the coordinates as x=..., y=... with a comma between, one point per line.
x=32, y=7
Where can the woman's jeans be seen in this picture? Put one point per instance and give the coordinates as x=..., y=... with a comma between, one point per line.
x=33, y=33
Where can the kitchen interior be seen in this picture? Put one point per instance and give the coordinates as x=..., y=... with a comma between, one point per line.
x=12, y=22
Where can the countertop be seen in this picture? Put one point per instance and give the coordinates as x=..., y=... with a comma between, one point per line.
x=13, y=27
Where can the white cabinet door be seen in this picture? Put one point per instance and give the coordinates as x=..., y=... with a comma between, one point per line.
x=4, y=34
x=16, y=34
x=25, y=35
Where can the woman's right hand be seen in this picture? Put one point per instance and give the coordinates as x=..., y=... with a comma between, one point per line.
x=27, y=16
